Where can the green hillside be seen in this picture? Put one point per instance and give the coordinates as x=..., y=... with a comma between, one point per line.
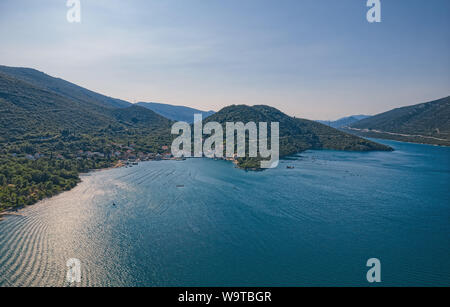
x=27, y=111
x=62, y=87
x=296, y=135
x=139, y=116
x=423, y=123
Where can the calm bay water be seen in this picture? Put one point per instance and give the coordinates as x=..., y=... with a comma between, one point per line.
x=204, y=223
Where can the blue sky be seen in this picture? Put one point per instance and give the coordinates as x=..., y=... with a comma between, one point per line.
x=317, y=59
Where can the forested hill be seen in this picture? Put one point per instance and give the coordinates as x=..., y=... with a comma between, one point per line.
x=26, y=110
x=62, y=87
x=423, y=123
x=296, y=135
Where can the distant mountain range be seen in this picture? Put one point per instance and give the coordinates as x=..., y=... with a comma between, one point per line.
x=345, y=121
x=176, y=113
x=427, y=123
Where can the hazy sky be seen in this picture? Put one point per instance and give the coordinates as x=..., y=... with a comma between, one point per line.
x=317, y=59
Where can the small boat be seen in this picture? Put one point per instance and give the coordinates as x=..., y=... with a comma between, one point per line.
x=290, y=167
x=180, y=186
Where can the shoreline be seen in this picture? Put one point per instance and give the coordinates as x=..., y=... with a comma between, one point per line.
x=11, y=212
x=404, y=138
x=409, y=142
x=15, y=210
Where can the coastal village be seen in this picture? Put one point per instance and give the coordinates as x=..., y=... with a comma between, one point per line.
x=123, y=153
x=126, y=155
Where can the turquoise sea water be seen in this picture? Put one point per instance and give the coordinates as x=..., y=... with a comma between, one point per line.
x=204, y=223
